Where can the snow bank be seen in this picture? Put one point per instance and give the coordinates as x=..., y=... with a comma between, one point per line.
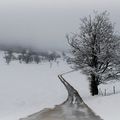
x=105, y=106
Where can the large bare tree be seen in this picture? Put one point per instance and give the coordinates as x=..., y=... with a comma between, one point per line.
x=94, y=49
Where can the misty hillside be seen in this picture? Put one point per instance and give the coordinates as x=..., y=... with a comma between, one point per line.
x=20, y=48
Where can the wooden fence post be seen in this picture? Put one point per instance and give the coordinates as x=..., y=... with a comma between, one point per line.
x=114, y=89
x=105, y=92
x=100, y=92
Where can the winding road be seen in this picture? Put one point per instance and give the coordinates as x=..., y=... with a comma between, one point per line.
x=73, y=108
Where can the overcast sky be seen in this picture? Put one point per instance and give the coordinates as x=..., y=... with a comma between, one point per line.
x=44, y=23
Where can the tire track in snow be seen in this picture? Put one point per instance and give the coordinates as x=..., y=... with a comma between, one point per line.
x=73, y=108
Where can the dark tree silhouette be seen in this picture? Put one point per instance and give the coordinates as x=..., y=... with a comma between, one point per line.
x=94, y=49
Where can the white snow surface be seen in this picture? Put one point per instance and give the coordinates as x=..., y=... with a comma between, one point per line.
x=28, y=88
x=107, y=107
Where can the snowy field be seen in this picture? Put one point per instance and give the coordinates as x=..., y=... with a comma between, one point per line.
x=26, y=89
x=105, y=106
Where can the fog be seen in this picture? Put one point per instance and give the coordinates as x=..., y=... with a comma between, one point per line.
x=43, y=24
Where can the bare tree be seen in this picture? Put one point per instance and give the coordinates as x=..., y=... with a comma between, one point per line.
x=94, y=49
x=9, y=56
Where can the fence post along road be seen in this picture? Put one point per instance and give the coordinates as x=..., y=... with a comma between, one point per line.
x=73, y=108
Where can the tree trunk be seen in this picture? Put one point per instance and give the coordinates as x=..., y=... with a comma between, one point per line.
x=94, y=84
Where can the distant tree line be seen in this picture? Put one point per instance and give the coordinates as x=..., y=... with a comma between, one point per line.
x=27, y=56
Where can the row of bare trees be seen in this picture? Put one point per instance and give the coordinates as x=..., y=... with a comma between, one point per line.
x=30, y=57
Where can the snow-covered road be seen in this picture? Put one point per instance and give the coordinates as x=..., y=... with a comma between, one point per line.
x=73, y=108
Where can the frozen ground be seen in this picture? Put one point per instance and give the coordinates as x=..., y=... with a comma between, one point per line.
x=65, y=112
x=105, y=106
x=27, y=89
x=73, y=108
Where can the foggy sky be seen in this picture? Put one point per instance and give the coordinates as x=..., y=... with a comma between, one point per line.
x=44, y=23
